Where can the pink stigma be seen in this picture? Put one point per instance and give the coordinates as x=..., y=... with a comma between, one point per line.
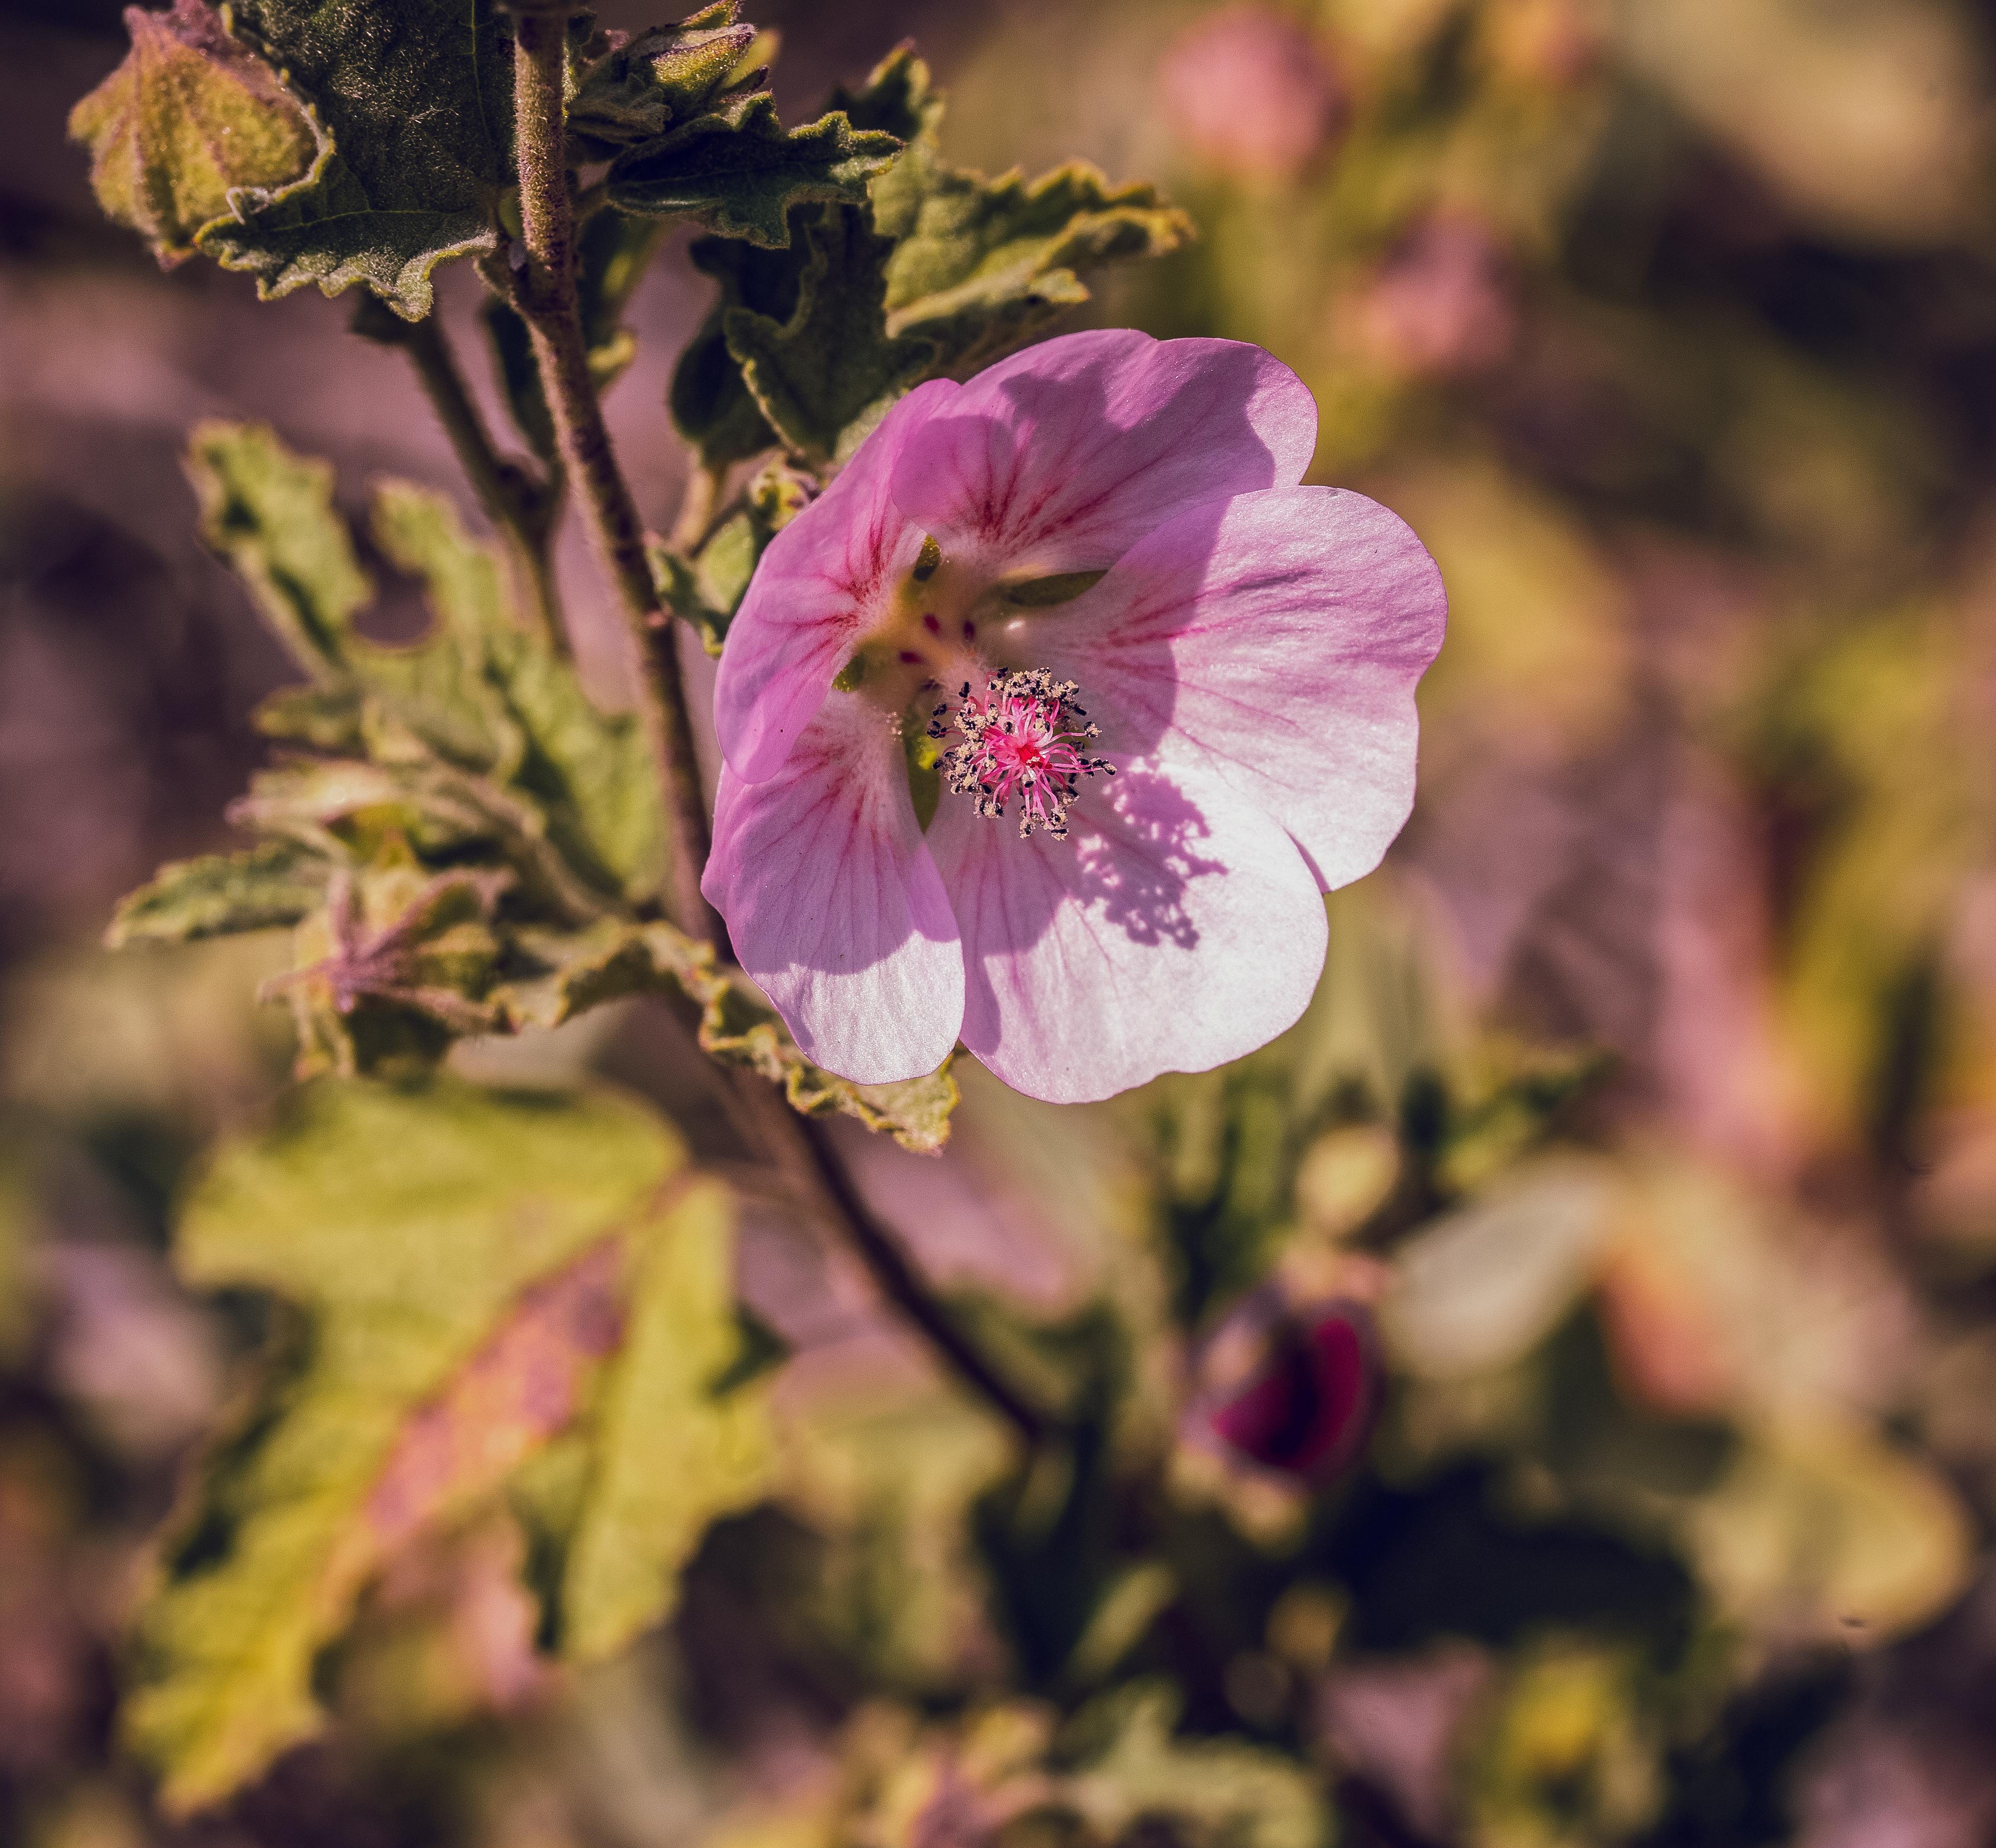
x=1021, y=737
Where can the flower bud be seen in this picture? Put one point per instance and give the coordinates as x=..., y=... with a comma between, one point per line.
x=1301, y=1406
x=188, y=117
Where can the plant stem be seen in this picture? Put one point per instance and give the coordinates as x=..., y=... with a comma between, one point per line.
x=815, y=1171
x=546, y=299
x=522, y=507
x=547, y=302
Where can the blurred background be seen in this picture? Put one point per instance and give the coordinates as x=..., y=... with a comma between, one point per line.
x=1650, y=1099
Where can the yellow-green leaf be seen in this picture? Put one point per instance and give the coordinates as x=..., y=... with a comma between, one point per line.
x=458, y=1262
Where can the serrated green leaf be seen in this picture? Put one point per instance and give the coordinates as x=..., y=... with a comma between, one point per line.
x=826, y=375
x=189, y=116
x=274, y=884
x=672, y=1455
x=665, y=75
x=270, y=514
x=981, y=266
x=427, y=1238
x=737, y=1025
x=413, y=107
x=739, y=171
x=708, y=591
x=568, y=787
x=557, y=975
x=941, y=273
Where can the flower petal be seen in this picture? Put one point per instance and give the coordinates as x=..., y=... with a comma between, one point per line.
x=1176, y=928
x=1275, y=642
x=834, y=904
x=815, y=592
x=1061, y=457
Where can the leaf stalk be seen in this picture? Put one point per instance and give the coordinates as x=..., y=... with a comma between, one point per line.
x=522, y=507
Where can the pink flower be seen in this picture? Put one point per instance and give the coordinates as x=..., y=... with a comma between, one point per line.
x=1129, y=801
x=1250, y=93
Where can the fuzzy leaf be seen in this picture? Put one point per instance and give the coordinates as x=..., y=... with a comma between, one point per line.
x=667, y=75
x=189, y=116
x=461, y=1263
x=270, y=514
x=980, y=266
x=738, y=171
x=942, y=273
x=739, y=1027
x=276, y=883
x=826, y=375
x=478, y=694
x=707, y=592
x=414, y=105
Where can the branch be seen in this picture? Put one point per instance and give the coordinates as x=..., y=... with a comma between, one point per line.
x=546, y=300
x=815, y=1171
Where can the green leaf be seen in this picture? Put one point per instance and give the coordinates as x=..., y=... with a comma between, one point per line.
x=823, y=377
x=663, y=76
x=981, y=266
x=274, y=884
x=941, y=273
x=188, y=117
x=270, y=514
x=466, y=1267
x=1230, y=1791
x=707, y=592
x=738, y=1026
x=672, y=1456
x=738, y=171
x=711, y=407
x=413, y=107
x=571, y=786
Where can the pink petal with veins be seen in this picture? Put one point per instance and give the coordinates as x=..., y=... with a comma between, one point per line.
x=1176, y=928
x=1062, y=457
x=1274, y=642
x=823, y=580
x=834, y=902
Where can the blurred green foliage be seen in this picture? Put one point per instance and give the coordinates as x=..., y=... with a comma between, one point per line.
x=1647, y=1110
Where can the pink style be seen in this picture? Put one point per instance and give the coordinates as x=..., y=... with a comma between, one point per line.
x=1087, y=837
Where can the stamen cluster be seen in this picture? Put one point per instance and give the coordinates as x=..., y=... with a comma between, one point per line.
x=1021, y=737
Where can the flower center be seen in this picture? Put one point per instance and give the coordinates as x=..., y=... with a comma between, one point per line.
x=1021, y=737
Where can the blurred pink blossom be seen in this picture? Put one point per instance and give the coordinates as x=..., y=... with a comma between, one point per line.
x=1306, y=1408
x=1250, y=93
x=1440, y=305
x=1200, y=743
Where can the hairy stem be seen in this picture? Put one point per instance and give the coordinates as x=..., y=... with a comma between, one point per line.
x=546, y=299
x=520, y=506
